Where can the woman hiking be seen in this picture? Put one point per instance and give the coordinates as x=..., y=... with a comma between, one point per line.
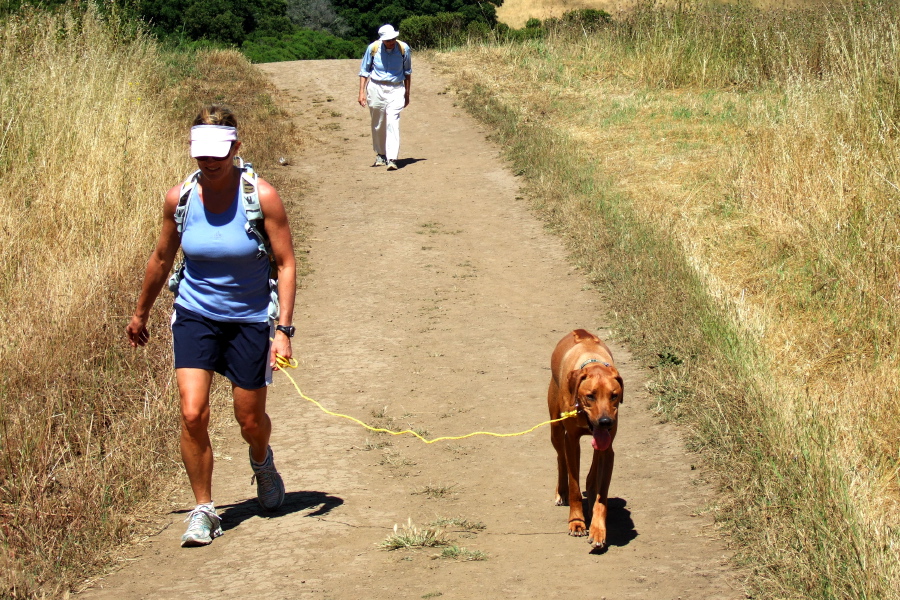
x=227, y=319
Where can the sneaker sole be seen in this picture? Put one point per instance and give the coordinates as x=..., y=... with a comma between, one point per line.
x=193, y=542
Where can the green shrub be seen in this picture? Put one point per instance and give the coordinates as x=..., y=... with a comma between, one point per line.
x=442, y=29
x=588, y=19
x=303, y=44
x=478, y=31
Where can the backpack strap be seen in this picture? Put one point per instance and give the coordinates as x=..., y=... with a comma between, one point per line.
x=255, y=226
x=253, y=210
x=183, y=200
x=375, y=46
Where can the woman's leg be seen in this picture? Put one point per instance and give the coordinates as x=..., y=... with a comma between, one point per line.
x=250, y=412
x=256, y=427
x=196, y=450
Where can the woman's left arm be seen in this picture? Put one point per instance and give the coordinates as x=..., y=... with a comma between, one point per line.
x=278, y=229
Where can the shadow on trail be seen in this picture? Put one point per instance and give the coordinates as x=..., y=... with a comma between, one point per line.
x=403, y=162
x=619, y=526
x=235, y=514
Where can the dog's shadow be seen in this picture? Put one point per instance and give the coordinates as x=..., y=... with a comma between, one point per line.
x=235, y=514
x=619, y=526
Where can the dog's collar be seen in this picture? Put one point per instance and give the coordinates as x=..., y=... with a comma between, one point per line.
x=592, y=360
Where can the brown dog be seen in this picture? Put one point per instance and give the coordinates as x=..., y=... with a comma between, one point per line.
x=584, y=380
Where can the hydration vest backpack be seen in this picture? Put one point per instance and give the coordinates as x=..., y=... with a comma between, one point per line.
x=250, y=199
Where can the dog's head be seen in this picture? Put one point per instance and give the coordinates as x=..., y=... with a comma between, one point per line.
x=597, y=391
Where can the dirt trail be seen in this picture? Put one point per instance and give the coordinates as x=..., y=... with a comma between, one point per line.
x=436, y=296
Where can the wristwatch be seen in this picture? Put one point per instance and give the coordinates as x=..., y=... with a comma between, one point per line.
x=287, y=330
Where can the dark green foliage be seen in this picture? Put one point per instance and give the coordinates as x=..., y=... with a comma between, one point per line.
x=588, y=19
x=303, y=44
x=272, y=30
x=364, y=17
x=431, y=31
x=225, y=21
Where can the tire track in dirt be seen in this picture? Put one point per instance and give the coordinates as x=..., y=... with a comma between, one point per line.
x=436, y=298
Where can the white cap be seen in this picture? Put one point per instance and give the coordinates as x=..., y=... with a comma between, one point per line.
x=387, y=32
x=212, y=140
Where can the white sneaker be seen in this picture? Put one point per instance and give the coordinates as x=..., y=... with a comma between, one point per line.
x=380, y=160
x=269, y=485
x=203, y=526
x=391, y=165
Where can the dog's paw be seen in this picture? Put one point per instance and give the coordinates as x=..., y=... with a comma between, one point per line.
x=560, y=501
x=597, y=539
x=577, y=528
x=597, y=545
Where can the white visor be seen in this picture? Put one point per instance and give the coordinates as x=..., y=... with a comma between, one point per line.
x=212, y=140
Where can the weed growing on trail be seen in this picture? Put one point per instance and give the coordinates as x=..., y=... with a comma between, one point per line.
x=461, y=554
x=383, y=421
x=370, y=445
x=436, y=491
x=410, y=536
x=460, y=523
x=394, y=459
x=420, y=431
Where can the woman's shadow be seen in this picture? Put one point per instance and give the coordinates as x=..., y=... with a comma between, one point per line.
x=234, y=514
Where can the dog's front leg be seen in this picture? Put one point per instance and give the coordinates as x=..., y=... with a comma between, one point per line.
x=558, y=437
x=577, y=525
x=604, y=462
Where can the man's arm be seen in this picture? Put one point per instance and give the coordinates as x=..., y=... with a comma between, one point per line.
x=363, y=82
x=407, y=84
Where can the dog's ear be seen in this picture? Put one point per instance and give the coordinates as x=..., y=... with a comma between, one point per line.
x=581, y=335
x=621, y=386
x=575, y=379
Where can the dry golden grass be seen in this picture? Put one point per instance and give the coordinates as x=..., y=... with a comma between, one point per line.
x=94, y=131
x=769, y=158
x=516, y=12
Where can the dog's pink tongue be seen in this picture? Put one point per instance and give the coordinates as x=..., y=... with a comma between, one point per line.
x=601, y=439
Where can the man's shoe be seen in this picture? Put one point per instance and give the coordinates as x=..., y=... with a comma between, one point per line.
x=392, y=166
x=204, y=525
x=269, y=485
x=380, y=160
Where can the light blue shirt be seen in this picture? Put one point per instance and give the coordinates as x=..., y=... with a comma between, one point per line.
x=225, y=279
x=387, y=66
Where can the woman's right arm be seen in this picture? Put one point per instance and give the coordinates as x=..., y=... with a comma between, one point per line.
x=157, y=273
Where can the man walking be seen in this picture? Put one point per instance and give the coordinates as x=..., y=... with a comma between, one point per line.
x=384, y=81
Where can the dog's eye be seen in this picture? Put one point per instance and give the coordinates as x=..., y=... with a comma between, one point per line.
x=589, y=398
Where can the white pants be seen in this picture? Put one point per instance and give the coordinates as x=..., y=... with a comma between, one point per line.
x=385, y=103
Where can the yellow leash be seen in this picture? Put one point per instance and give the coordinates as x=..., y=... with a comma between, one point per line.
x=284, y=363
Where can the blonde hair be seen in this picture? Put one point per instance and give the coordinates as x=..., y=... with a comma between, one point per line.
x=215, y=114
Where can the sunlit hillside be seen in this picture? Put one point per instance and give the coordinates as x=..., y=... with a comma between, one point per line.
x=515, y=12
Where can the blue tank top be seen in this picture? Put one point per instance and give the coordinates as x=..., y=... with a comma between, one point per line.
x=224, y=279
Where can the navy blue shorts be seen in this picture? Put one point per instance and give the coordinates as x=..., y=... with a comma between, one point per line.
x=239, y=351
